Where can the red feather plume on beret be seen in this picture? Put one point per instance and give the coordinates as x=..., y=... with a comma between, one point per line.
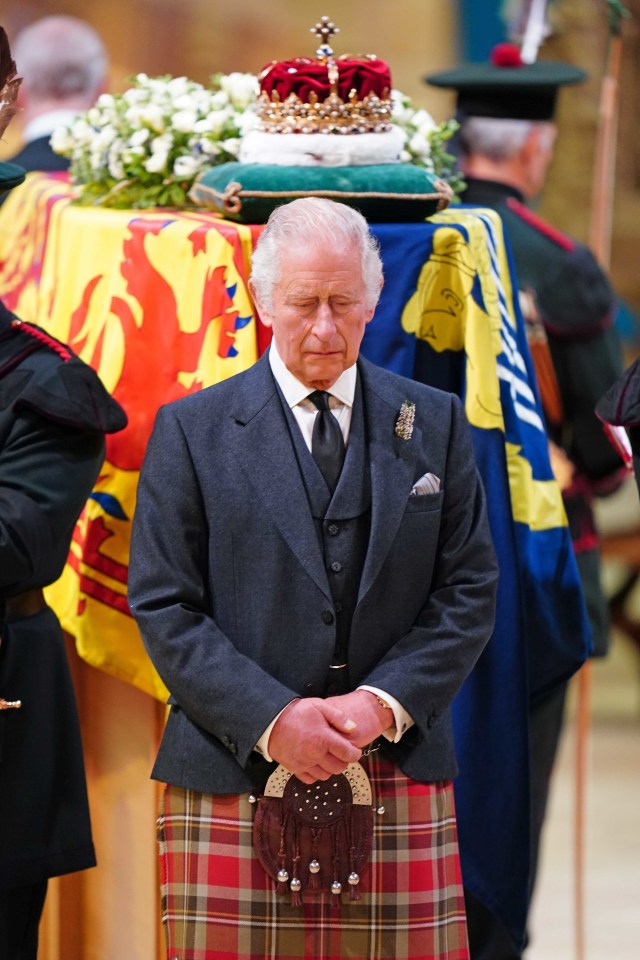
x=506, y=55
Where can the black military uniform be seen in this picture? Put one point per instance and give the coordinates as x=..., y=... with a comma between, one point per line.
x=54, y=413
x=569, y=306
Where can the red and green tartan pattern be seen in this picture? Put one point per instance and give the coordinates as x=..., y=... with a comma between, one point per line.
x=219, y=904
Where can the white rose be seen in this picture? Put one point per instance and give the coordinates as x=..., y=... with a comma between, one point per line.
x=61, y=140
x=178, y=86
x=184, y=121
x=208, y=147
x=151, y=114
x=160, y=148
x=156, y=163
x=116, y=169
x=105, y=101
x=81, y=131
x=401, y=111
x=246, y=121
x=242, y=88
x=186, y=101
x=232, y=146
x=186, y=167
x=419, y=145
x=214, y=122
x=424, y=122
x=134, y=95
x=131, y=154
x=219, y=100
x=104, y=138
x=139, y=137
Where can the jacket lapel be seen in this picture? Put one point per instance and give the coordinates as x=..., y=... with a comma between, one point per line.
x=267, y=458
x=393, y=468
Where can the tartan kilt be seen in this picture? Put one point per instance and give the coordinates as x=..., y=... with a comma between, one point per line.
x=219, y=904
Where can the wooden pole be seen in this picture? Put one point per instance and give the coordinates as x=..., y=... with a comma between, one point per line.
x=605, y=157
x=600, y=241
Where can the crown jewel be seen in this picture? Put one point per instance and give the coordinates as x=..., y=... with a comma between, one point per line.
x=326, y=95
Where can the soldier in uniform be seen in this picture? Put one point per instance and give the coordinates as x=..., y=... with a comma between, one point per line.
x=54, y=413
x=506, y=141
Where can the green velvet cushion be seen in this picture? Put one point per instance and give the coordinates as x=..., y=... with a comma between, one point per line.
x=390, y=192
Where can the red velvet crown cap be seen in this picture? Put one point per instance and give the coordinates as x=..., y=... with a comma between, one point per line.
x=303, y=76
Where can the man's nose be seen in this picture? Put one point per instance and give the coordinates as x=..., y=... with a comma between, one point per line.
x=324, y=325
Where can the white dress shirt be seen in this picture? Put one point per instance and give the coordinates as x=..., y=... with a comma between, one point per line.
x=341, y=396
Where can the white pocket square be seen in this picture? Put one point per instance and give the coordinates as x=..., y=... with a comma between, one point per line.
x=428, y=483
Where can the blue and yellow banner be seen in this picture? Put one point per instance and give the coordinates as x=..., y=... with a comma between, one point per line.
x=449, y=316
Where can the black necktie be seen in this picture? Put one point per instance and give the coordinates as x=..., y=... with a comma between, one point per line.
x=327, y=442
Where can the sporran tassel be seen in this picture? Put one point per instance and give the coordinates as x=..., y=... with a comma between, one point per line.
x=283, y=873
x=353, y=879
x=336, y=886
x=315, y=877
x=296, y=885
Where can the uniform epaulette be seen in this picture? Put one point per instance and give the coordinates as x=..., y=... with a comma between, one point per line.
x=561, y=239
x=39, y=334
x=43, y=375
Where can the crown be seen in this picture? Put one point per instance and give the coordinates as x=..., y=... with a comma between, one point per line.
x=326, y=95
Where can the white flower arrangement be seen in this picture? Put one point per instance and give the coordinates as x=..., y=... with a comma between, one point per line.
x=145, y=147
x=425, y=140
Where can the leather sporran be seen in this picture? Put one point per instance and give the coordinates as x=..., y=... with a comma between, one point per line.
x=315, y=837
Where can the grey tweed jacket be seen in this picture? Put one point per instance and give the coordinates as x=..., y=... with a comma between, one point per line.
x=229, y=588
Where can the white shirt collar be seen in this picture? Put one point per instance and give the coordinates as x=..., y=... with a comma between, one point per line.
x=343, y=389
x=46, y=123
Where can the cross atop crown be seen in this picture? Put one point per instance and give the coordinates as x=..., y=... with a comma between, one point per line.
x=324, y=30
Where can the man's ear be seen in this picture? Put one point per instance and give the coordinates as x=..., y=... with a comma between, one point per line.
x=371, y=315
x=265, y=317
x=529, y=148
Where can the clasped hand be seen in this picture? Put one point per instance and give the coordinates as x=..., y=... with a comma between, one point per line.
x=315, y=738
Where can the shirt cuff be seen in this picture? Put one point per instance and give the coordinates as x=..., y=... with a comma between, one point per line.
x=402, y=720
x=263, y=743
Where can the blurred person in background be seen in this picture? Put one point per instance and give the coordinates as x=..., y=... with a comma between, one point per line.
x=506, y=140
x=64, y=67
x=54, y=414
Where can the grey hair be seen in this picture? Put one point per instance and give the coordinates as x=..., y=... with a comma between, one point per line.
x=495, y=137
x=61, y=57
x=314, y=221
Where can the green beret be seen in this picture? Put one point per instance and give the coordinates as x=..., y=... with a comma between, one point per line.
x=507, y=87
